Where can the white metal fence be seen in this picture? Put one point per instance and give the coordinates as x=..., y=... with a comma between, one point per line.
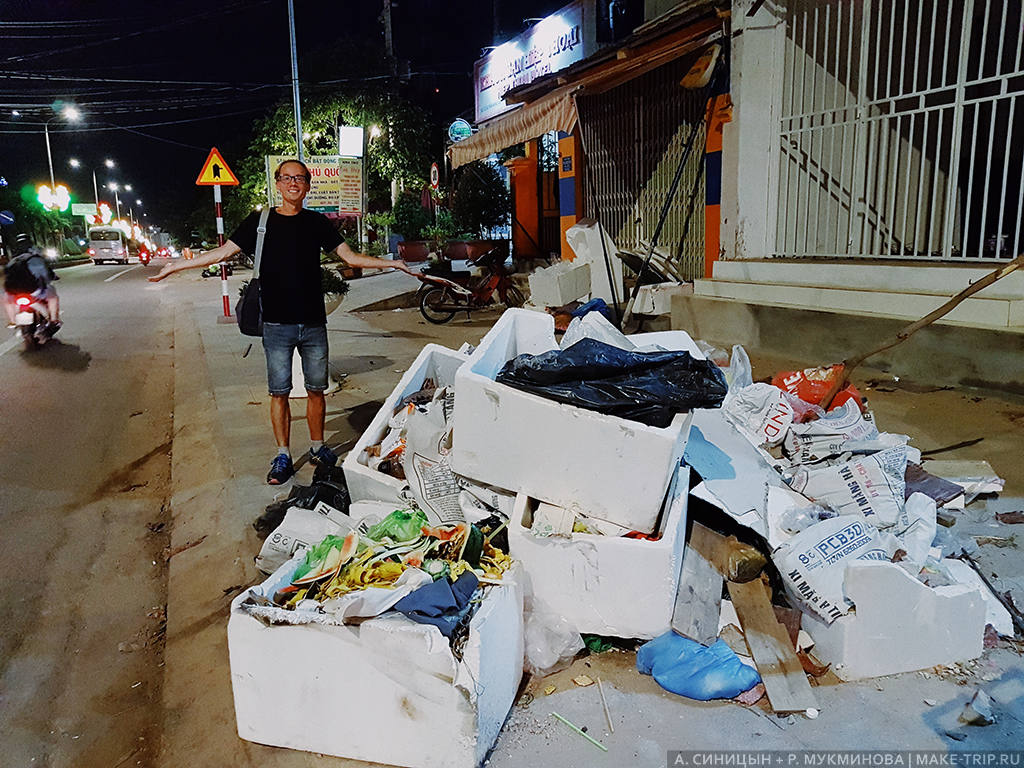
x=902, y=130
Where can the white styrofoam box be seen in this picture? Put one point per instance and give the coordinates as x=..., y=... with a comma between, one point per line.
x=899, y=624
x=657, y=299
x=607, y=585
x=366, y=484
x=602, y=466
x=386, y=691
x=559, y=284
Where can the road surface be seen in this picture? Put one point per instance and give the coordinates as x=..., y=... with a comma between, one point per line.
x=84, y=473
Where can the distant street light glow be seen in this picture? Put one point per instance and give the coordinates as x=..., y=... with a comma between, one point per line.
x=73, y=162
x=72, y=113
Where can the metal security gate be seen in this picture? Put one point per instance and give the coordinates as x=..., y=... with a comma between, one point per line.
x=902, y=131
x=633, y=136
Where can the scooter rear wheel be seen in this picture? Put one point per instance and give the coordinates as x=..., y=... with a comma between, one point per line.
x=431, y=303
x=514, y=297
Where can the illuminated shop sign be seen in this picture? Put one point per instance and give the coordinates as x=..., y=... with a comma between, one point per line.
x=549, y=45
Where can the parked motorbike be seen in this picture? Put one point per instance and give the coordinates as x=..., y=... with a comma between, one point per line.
x=32, y=321
x=444, y=297
x=214, y=270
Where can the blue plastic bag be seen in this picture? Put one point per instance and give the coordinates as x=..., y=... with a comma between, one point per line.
x=685, y=667
x=594, y=305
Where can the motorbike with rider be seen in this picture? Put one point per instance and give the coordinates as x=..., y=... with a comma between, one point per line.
x=28, y=282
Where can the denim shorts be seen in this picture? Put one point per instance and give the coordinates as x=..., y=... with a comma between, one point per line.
x=280, y=341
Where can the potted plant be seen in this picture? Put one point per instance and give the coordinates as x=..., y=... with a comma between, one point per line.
x=479, y=203
x=335, y=287
x=411, y=218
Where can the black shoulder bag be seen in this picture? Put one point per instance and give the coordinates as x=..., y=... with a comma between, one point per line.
x=249, y=309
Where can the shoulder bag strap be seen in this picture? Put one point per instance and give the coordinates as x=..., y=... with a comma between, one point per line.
x=261, y=232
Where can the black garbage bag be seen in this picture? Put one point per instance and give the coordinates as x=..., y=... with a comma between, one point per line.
x=649, y=387
x=328, y=486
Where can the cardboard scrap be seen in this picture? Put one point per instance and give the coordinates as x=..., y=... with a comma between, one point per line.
x=699, y=594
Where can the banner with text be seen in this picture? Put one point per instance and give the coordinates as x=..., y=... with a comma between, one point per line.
x=335, y=184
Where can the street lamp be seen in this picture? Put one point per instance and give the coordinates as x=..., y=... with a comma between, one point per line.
x=113, y=187
x=69, y=113
x=76, y=163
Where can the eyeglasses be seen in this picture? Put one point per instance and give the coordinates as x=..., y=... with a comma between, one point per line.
x=297, y=179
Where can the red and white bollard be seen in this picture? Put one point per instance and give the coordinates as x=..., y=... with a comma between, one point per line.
x=220, y=241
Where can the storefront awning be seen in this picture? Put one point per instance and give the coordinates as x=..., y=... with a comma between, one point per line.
x=555, y=111
x=550, y=101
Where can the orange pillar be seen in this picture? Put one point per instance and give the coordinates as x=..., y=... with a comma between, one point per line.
x=525, y=220
x=570, y=187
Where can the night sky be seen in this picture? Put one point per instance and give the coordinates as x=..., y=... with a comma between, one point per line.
x=202, y=73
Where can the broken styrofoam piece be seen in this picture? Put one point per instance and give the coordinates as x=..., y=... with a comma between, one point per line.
x=899, y=625
x=978, y=711
x=602, y=466
x=995, y=612
x=439, y=711
x=606, y=585
x=560, y=283
x=737, y=475
x=656, y=299
x=594, y=325
x=594, y=246
x=435, y=362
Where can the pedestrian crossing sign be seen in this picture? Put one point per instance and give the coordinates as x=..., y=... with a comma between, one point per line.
x=216, y=171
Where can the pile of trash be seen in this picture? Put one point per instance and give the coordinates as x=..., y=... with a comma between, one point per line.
x=508, y=500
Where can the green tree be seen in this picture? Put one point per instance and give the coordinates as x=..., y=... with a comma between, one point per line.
x=401, y=146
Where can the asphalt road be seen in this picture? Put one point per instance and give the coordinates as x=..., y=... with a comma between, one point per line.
x=84, y=473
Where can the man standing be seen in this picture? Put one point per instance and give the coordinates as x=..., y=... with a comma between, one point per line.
x=293, y=305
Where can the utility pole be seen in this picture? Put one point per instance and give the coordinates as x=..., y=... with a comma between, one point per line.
x=295, y=81
x=389, y=43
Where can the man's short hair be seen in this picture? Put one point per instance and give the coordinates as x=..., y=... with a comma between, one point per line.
x=305, y=169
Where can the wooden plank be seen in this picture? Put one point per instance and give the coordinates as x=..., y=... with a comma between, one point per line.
x=699, y=595
x=781, y=672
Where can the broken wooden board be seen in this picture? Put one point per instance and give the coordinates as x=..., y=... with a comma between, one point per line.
x=776, y=660
x=699, y=594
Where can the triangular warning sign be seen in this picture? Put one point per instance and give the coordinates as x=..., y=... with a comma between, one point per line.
x=216, y=171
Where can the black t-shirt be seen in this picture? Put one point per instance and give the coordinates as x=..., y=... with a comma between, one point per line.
x=290, y=265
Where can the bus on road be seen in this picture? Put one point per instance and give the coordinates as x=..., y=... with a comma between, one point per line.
x=111, y=244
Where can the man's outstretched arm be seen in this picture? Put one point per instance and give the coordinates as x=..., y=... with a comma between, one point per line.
x=362, y=261
x=218, y=254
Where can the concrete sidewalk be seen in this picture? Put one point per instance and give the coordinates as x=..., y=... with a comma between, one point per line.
x=221, y=453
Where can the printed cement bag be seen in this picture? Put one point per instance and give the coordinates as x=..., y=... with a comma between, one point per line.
x=816, y=440
x=813, y=562
x=426, y=461
x=301, y=529
x=871, y=486
x=762, y=410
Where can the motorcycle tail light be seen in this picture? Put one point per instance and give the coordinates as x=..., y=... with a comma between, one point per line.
x=24, y=301
x=92, y=251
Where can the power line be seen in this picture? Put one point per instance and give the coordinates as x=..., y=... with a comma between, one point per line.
x=158, y=28
x=145, y=125
x=16, y=75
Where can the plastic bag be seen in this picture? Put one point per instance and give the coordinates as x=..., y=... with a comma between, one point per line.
x=551, y=642
x=812, y=384
x=398, y=526
x=687, y=668
x=740, y=373
x=649, y=387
